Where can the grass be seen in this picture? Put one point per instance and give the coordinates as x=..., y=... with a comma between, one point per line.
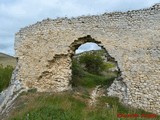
x=6, y=60
x=7, y=64
x=5, y=76
x=91, y=80
x=109, y=65
x=65, y=106
x=49, y=107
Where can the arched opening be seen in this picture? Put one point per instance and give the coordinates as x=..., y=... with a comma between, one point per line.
x=92, y=66
x=93, y=69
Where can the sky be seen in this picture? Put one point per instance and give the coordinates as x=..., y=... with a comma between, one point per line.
x=16, y=14
x=87, y=47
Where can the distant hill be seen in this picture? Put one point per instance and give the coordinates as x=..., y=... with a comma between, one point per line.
x=99, y=52
x=7, y=60
x=104, y=54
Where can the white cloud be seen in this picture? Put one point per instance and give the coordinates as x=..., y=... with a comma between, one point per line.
x=15, y=14
x=6, y=45
x=87, y=47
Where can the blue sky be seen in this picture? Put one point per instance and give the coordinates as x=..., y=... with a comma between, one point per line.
x=15, y=14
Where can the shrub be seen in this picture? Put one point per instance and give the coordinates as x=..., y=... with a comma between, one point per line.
x=93, y=63
x=77, y=70
x=5, y=76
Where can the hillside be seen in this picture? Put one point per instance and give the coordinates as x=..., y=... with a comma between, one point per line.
x=68, y=106
x=104, y=54
x=7, y=60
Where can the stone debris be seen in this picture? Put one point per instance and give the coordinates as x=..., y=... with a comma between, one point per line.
x=97, y=92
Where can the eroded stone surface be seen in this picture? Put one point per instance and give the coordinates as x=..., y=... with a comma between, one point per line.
x=44, y=52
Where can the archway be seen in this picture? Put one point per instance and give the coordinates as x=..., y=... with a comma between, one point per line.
x=109, y=78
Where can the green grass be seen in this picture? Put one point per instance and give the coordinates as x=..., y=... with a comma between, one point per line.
x=5, y=76
x=109, y=65
x=7, y=64
x=91, y=80
x=6, y=60
x=67, y=106
x=50, y=107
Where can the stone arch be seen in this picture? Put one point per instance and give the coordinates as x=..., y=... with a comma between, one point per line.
x=132, y=38
x=118, y=88
x=82, y=40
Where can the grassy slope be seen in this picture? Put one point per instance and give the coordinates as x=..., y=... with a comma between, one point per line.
x=7, y=60
x=89, y=80
x=68, y=106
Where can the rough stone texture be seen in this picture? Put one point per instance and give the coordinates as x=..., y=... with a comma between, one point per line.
x=44, y=52
x=10, y=94
x=98, y=91
x=118, y=88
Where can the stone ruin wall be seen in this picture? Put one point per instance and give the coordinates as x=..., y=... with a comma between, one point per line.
x=44, y=52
